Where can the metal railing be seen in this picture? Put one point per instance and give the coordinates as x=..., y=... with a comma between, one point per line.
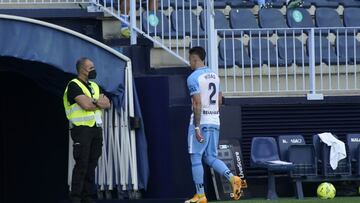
x=172, y=25
x=289, y=60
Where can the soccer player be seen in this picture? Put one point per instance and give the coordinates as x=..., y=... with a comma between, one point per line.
x=203, y=134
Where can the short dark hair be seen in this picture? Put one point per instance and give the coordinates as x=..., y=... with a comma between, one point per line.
x=198, y=51
x=80, y=63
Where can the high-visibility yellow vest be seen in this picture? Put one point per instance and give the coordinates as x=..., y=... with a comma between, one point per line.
x=76, y=115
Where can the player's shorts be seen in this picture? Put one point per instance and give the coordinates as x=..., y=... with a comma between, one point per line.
x=209, y=146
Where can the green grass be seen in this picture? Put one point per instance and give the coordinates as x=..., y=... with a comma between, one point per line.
x=293, y=200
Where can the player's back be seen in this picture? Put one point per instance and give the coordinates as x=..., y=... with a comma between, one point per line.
x=208, y=85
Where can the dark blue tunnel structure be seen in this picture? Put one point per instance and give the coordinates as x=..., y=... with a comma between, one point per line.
x=58, y=48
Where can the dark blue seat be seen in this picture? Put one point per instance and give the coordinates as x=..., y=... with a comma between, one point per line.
x=349, y=48
x=328, y=17
x=323, y=154
x=186, y=22
x=292, y=49
x=184, y=4
x=285, y=141
x=157, y=29
x=219, y=4
x=325, y=3
x=325, y=51
x=234, y=52
x=220, y=22
x=353, y=142
x=299, y=18
x=278, y=3
x=263, y=152
x=272, y=18
x=352, y=18
x=245, y=19
x=241, y=4
x=347, y=3
x=265, y=52
x=304, y=160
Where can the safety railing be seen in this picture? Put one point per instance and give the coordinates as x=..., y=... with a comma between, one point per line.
x=172, y=25
x=289, y=60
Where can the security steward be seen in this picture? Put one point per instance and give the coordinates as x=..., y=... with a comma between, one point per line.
x=83, y=102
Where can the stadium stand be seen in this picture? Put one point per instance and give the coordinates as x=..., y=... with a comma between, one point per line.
x=157, y=30
x=352, y=17
x=328, y=17
x=305, y=20
x=349, y=48
x=325, y=52
x=248, y=22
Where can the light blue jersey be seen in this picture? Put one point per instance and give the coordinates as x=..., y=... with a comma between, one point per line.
x=205, y=82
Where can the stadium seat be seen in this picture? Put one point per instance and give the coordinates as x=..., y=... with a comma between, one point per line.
x=325, y=51
x=328, y=17
x=157, y=30
x=248, y=21
x=184, y=4
x=293, y=50
x=352, y=17
x=278, y=3
x=218, y=4
x=299, y=18
x=353, y=142
x=185, y=21
x=323, y=154
x=285, y=141
x=272, y=18
x=241, y=4
x=220, y=22
x=348, y=46
x=347, y=3
x=265, y=52
x=228, y=49
x=304, y=160
x=264, y=154
x=325, y=3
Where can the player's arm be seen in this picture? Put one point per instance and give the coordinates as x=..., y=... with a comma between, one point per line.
x=196, y=105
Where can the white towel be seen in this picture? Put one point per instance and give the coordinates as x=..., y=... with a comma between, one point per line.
x=337, y=148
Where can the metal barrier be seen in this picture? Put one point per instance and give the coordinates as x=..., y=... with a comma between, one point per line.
x=289, y=60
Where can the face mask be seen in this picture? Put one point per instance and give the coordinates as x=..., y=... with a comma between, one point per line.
x=92, y=74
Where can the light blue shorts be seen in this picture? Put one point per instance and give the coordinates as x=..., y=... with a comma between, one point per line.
x=209, y=146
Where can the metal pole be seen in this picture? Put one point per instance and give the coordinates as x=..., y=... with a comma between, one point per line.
x=212, y=48
x=133, y=22
x=312, y=95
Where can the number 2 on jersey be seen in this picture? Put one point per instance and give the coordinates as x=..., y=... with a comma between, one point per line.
x=212, y=88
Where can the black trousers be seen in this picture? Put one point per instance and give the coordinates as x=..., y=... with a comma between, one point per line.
x=87, y=150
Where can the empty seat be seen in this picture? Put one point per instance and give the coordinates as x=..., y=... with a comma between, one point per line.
x=184, y=4
x=278, y=3
x=285, y=141
x=353, y=142
x=241, y=4
x=304, y=160
x=186, y=22
x=245, y=19
x=233, y=52
x=347, y=3
x=325, y=3
x=299, y=18
x=324, y=51
x=154, y=26
x=352, y=17
x=220, y=22
x=219, y=4
x=272, y=18
x=264, y=154
x=265, y=52
x=328, y=17
x=349, y=48
x=293, y=50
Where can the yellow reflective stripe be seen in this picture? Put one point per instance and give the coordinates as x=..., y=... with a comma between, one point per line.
x=72, y=109
x=82, y=119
